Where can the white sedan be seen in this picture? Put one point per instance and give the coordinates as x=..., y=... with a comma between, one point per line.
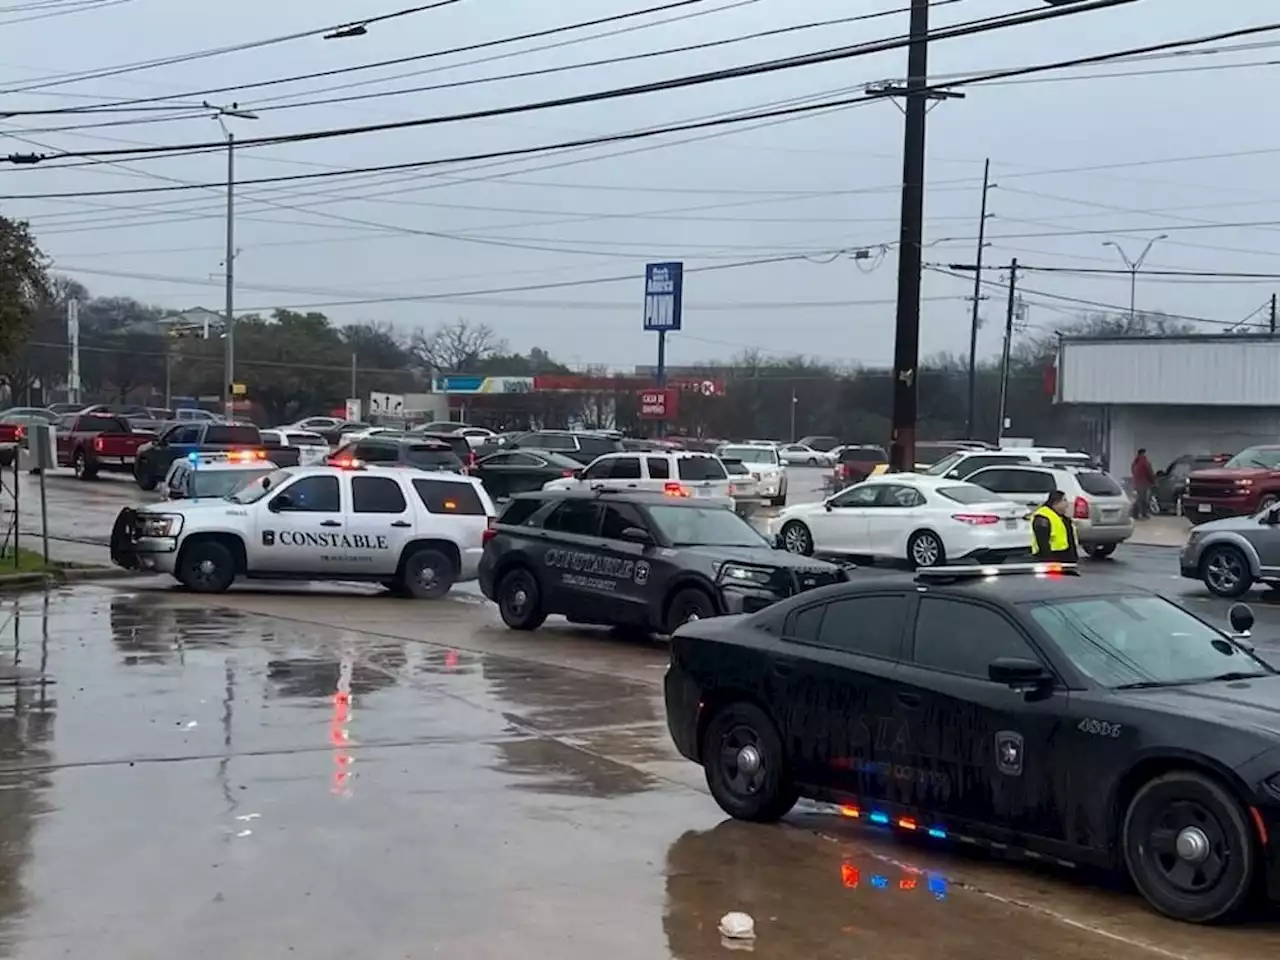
x=798, y=454
x=926, y=521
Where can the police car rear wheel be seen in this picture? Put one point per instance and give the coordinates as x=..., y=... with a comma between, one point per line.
x=206, y=567
x=687, y=606
x=1189, y=848
x=520, y=601
x=797, y=539
x=428, y=575
x=145, y=480
x=745, y=765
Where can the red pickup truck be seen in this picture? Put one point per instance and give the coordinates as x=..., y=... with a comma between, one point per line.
x=1245, y=484
x=94, y=442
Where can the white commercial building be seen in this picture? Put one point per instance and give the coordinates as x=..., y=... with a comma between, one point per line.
x=1174, y=395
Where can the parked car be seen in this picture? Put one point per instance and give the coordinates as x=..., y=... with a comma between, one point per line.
x=509, y=472
x=184, y=439
x=687, y=476
x=580, y=446
x=926, y=521
x=793, y=454
x=425, y=453
x=856, y=462
x=766, y=467
x=28, y=415
x=743, y=487
x=1245, y=485
x=1232, y=554
x=61, y=409
x=820, y=442
x=964, y=463
x=195, y=414
x=311, y=447
x=1171, y=482
x=1100, y=509
x=96, y=442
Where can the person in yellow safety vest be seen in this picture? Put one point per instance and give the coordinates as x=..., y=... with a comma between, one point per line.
x=1053, y=535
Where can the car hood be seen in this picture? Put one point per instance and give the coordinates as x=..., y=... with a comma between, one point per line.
x=1245, y=523
x=760, y=556
x=803, y=510
x=1240, y=703
x=188, y=505
x=762, y=468
x=1231, y=473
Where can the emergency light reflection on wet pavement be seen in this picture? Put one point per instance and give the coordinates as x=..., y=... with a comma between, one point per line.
x=247, y=779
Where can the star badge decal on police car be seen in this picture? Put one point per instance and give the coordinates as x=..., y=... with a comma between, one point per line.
x=642, y=573
x=1009, y=753
x=268, y=538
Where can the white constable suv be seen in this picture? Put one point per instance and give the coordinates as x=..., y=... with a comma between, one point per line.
x=698, y=476
x=416, y=533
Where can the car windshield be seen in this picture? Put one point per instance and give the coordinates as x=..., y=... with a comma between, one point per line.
x=969, y=493
x=751, y=454
x=1268, y=457
x=1141, y=641
x=221, y=483
x=945, y=464
x=253, y=492
x=705, y=527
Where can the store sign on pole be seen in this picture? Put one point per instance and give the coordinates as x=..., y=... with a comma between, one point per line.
x=663, y=296
x=352, y=411
x=658, y=404
x=386, y=405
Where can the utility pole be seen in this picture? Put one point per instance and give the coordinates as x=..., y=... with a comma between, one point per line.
x=977, y=298
x=229, y=319
x=794, y=401
x=353, y=376
x=73, y=339
x=1008, y=344
x=1273, y=314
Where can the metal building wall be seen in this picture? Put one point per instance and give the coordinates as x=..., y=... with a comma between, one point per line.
x=1216, y=370
x=1168, y=432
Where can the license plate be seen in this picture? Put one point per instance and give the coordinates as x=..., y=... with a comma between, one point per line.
x=704, y=491
x=1204, y=508
x=126, y=459
x=1110, y=514
x=1011, y=523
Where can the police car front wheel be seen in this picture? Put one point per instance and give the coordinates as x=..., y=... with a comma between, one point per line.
x=206, y=567
x=688, y=605
x=745, y=764
x=1189, y=848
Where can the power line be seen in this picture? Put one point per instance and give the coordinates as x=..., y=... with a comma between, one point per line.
x=760, y=68
x=621, y=137
x=76, y=77
x=89, y=6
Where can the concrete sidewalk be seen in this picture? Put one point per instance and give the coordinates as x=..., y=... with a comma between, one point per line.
x=1161, y=532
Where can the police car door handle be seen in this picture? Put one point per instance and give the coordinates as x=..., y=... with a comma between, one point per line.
x=911, y=700
x=401, y=523
x=330, y=523
x=782, y=668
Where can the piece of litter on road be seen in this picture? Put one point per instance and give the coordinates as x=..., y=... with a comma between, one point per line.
x=190, y=724
x=245, y=833
x=249, y=816
x=737, y=926
x=730, y=944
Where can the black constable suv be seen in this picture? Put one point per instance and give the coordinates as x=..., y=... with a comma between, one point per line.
x=637, y=560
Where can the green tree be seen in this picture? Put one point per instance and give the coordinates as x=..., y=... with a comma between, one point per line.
x=24, y=287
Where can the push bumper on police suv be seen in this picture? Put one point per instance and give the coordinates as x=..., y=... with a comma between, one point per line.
x=747, y=588
x=145, y=541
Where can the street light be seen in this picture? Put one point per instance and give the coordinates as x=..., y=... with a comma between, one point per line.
x=1134, y=266
x=229, y=319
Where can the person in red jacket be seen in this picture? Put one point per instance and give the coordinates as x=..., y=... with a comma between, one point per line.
x=1144, y=478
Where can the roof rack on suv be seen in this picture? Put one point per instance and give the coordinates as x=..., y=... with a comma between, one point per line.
x=975, y=572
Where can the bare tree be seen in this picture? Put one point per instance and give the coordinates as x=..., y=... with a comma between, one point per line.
x=24, y=285
x=457, y=347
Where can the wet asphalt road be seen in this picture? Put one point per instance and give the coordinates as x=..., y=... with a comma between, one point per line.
x=329, y=771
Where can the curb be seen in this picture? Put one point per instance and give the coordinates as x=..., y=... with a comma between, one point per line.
x=54, y=578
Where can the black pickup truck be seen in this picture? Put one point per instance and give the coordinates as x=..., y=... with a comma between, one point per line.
x=183, y=439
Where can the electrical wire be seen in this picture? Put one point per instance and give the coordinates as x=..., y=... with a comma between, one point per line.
x=759, y=68
x=100, y=74
x=89, y=6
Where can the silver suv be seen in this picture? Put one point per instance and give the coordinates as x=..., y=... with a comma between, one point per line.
x=1100, y=509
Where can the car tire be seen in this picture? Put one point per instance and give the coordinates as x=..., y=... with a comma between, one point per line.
x=1267, y=502
x=145, y=480
x=520, y=600
x=1225, y=571
x=1189, y=847
x=206, y=567
x=1153, y=504
x=796, y=538
x=745, y=765
x=80, y=465
x=1099, y=551
x=428, y=574
x=688, y=605
x=811, y=462
x=925, y=549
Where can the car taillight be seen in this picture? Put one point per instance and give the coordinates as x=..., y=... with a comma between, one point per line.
x=97, y=444
x=490, y=531
x=674, y=490
x=1080, y=510
x=568, y=473
x=20, y=432
x=976, y=519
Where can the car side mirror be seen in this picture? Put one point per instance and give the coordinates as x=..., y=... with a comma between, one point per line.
x=1241, y=618
x=577, y=474
x=828, y=505
x=282, y=502
x=636, y=535
x=1018, y=672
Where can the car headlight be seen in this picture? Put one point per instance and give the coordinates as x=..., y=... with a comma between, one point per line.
x=1272, y=785
x=159, y=525
x=740, y=573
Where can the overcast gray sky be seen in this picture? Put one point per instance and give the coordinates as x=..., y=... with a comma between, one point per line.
x=817, y=185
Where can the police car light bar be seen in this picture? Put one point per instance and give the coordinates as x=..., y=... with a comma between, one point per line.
x=998, y=570
x=226, y=455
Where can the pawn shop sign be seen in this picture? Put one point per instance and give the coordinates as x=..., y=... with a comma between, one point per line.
x=658, y=404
